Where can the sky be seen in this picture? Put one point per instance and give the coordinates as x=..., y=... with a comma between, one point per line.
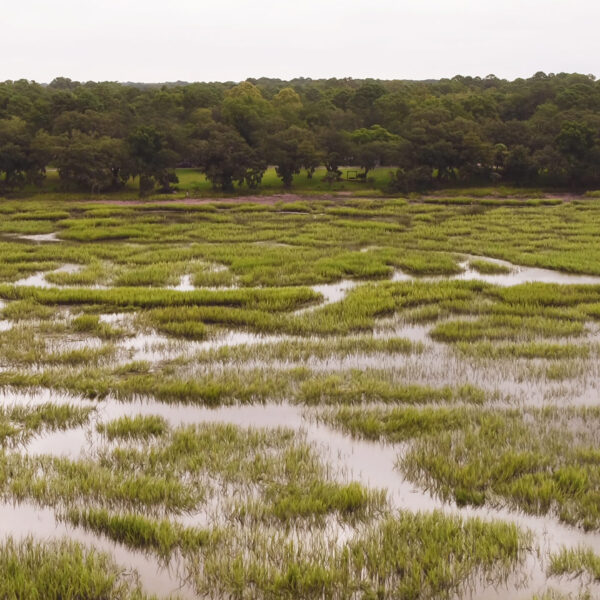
x=231, y=40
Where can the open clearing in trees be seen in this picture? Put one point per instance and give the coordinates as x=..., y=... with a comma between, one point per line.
x=315, y=398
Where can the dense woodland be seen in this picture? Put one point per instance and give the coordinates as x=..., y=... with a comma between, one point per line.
x=542, y=131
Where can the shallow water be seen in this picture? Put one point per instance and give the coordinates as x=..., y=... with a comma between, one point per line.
x=371, y=463
x=518, y=275
x=39, y=279
x=521, y=274
x=27, y=520
x=331, y=292
x=40, y=237
x=185, y=284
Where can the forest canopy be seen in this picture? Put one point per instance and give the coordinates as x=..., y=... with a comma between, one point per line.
x=541, y=131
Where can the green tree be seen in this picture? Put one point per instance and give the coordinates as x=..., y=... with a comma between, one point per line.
x=225, y=158
x=94, y=164
x=290, y=150
x=152, y=160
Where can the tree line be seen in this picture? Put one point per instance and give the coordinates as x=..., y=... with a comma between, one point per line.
x=542, y=131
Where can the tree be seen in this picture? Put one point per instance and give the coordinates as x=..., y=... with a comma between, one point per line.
x=290, y=150
x=94, y=164
x=245, y=109
x=18, y=161
x=375, y=146
x=337, y=151
x=225, y=158
x=288, y=106
x=153, y=161
x=519, y=165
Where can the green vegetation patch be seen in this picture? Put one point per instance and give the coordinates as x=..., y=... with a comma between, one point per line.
x=62, y=570
x=137, y=531
x=533, y=459
x=138, y=427
x=575, y=562
x=487, y=267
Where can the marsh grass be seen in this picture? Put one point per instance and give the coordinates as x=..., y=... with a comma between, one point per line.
x=282, y=513
x=504, y=327
x=19, y=423
x=25, y=310
x=575, y=562
x=487, y=267
x=137, y=531
x=539, y=460
x=549, y=351
x=138, y=427
x=60, y=482
x=304, y=350
x=62, y=570
x=404, y=556
x=360, y=387
x=269, y=299
x=91, y=324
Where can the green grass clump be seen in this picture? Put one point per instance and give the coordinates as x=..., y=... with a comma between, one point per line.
x=93, y=274
x=311, y=498
x=399, y=424
x=425, y=263
x=278, y=299
x=62, y=482
x=207, y=389
x=207, y=277
x=504, y=327
x=487, y=267
x=92, y=325
x=138, y=427
x=159, y=275
x=190, y=330
x=19, y=423
x=137, y=531
x=358, y=387
x=25, y=310
x=575, y=562
x=62, y=570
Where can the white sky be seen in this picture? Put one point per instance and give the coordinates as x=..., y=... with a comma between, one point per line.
x=206, y=40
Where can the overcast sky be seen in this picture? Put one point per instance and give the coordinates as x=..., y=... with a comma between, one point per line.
x=206, y=40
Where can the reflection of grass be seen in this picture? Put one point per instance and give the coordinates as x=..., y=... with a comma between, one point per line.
x=302, y=350
x=554, y=594
x=550, y=351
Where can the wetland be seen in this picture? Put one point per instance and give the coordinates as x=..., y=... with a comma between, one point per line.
x=331, y=398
